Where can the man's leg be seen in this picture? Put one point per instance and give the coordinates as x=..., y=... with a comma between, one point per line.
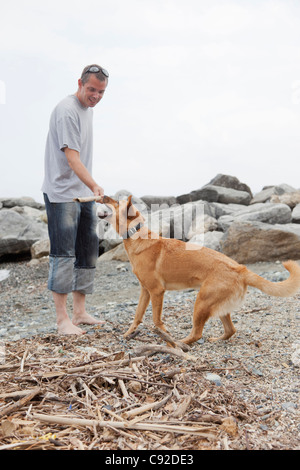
x=80, y=316
x=64, y=323
x=87, y=251
x=63, y=221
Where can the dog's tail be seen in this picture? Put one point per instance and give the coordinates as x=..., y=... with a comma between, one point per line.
x=286, y=288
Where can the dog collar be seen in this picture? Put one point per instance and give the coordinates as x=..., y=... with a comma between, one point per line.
x=132, y=231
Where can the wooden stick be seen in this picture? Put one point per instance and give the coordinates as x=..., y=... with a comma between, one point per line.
x=12, y=408
x=183, y=406
x=17, y=444
x=88, y=199
x=87, y=389
x=205, y=432
x=17, y=393
x=123, y=388
x=149, y=406
x=23, y=360
x=169, y=339
x=91, y=367
x=154, y=348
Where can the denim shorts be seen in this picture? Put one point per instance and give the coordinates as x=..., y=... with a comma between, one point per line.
x=74, y=246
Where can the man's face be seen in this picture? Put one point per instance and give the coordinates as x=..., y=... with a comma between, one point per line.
x=91, y=92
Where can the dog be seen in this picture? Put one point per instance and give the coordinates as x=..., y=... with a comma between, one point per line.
x=162, y=264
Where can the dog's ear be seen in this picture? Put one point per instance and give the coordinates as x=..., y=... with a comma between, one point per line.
x=129, y=202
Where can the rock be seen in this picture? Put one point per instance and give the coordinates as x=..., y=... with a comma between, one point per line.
x=31, y=212
x=22, y=201
x=4, y=273
x=218, y=209
x=213, y=193
x=209, y=239
x=108, y=237
x=212, y=240
x=215, y=378
x=19, y=232
x=38, y=261
x=176, y=221
x=232, y=182
x=40, y=249
x=209, y=195
x=118, y=253
x=251, y=242
x=289, y=406
x=296, y=214
x=268, y=213
x=291, y=199
x=134, y=386
x=267, y=193
x=154, y=203
x=204, y=223
x=295, y=357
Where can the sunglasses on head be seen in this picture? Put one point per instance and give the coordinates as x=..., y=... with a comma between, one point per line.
x=96, y=69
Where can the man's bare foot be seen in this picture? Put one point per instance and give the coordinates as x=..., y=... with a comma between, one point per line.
x=66, y=327
x=86, y=319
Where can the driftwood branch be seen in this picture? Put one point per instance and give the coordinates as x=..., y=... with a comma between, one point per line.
x=20, y=403
x=149, y=349
x=169, y=339
x=203, y=431
x=89, y=199
x=149, y=406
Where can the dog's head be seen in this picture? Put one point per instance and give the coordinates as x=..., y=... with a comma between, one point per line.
x=122, y=215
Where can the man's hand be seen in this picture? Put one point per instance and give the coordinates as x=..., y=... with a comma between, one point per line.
x=98, y=191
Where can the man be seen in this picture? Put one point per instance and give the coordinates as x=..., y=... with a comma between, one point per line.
x=72, y=225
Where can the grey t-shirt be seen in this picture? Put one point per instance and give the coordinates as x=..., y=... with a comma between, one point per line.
x=71, y=125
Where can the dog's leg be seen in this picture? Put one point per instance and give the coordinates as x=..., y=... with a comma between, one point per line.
x=229, y=329
x=200, y=316
x=141, y=308
x=157, y=306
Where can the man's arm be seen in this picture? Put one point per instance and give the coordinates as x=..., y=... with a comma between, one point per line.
x=81, y=171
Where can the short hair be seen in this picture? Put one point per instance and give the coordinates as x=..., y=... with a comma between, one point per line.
x=85, y=74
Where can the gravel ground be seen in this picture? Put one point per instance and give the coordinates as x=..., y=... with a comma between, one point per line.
x=266, y=347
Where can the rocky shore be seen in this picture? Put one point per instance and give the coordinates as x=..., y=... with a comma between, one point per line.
x=223, y=215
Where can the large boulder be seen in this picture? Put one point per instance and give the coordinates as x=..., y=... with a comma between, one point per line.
x=296, y=214
x=269, y=192
x=21, y=202
x=19, y=232
x=213, y=193
x=267, y=213
x=208, y=239
x=228, y=181
x=291, y=199
x=251, y=242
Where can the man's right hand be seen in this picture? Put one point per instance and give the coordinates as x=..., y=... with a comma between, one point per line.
x=98, y=191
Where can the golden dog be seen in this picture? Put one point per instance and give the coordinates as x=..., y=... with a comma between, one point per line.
x=162, y=264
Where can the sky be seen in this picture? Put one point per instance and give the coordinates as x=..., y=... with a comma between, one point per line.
x=196, y=88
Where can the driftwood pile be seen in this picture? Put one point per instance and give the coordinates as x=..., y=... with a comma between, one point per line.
x=61, y=393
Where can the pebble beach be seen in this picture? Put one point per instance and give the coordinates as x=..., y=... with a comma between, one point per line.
x=266, y=346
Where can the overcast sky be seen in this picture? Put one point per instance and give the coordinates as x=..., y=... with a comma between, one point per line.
x=197, y=87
